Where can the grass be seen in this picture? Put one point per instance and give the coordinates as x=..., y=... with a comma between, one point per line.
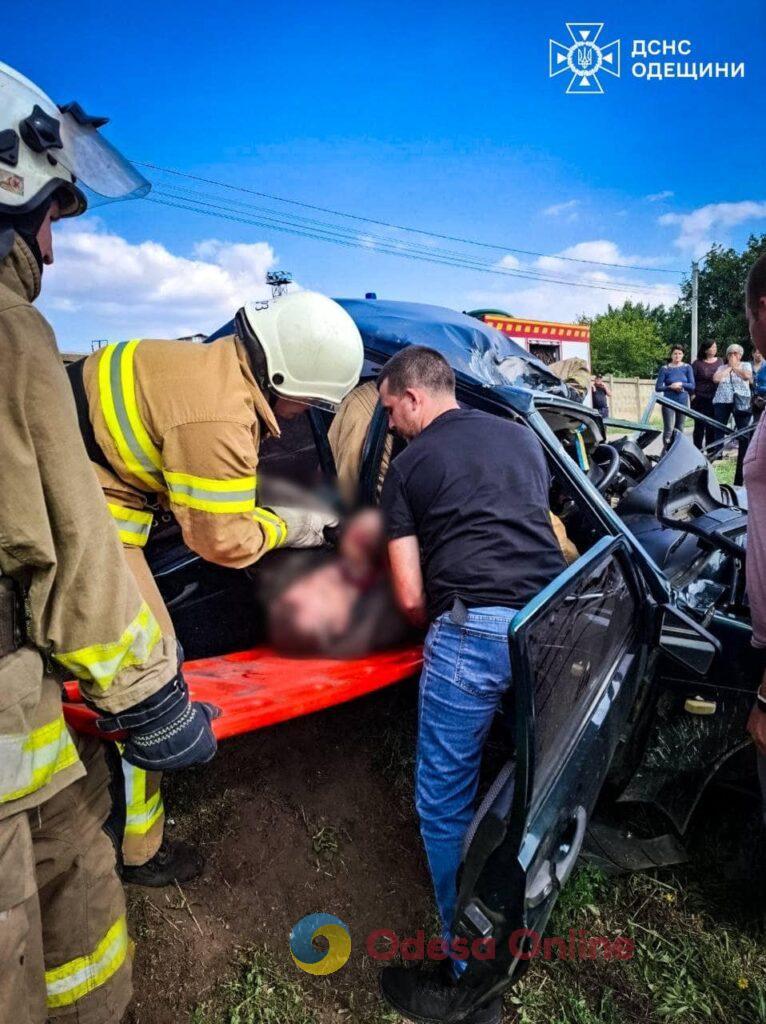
x=686, y=967
x=725, y=469
x=256, y=993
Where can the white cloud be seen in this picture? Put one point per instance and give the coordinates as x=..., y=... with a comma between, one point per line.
x=657, y=197
x=508, y=262
x=101, y=285
x=558, y=209
x=600, y=250
x=705, y=225
x=545, y=300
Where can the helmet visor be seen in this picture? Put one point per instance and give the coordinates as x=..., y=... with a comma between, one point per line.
x=97, y=166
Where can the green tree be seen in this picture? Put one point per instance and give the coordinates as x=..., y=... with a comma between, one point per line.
x=721, y=299
x=626, y=341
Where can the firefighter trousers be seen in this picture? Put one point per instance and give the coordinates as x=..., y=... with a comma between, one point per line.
x=64, y=949
x=144, y=820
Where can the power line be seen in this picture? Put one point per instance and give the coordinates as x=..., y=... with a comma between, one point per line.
x=394, y=249
x=331, y=232
x=402, y=227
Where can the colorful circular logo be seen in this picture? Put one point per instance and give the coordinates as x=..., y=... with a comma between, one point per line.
x=313, y=960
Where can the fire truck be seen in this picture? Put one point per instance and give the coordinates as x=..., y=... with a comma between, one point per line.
x=547, y=340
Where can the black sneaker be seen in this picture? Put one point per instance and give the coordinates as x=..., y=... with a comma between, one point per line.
x=426, y=997
x=175, y=861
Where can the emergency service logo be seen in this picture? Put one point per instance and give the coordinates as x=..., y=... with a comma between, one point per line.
x=308, y=956
x=584, y=59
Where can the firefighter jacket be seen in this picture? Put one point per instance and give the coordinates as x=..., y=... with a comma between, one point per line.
x=83, y=610
x=347, y=436
x=180, y=425
x=575, y=373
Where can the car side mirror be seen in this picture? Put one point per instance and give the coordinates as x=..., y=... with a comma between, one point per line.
x=686, y=642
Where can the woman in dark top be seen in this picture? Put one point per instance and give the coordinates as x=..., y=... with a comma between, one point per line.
x=601, y=395
x=705, y=367
x=676, y=382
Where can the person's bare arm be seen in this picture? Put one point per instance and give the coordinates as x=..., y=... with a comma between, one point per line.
x=407, y=578
x=719, y=375
x=756, y=724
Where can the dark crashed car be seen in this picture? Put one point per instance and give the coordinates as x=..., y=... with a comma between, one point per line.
x=631, y=677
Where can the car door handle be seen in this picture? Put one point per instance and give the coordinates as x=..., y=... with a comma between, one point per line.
x=554, y=871
x=570, y=845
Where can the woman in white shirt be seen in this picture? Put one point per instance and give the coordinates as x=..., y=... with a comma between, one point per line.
x=733, y=397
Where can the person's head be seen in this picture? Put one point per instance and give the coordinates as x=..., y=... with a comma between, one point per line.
x=676, y=355
x=708, y=349
x=415, y=386
x=755, y=302
x=734, y=354
x=54, y=154
x=757, y=358
x=304, y=349
x=599, y=378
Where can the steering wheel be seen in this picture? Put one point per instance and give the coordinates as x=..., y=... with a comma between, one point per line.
x=604, y=465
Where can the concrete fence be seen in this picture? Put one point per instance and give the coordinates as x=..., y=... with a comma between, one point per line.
x=629, y=396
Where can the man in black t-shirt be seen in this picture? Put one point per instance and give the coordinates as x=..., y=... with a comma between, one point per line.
x=470, y=542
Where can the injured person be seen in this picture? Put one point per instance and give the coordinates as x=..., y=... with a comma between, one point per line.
x=336, y=604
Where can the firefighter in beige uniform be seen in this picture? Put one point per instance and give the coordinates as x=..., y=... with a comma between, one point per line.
x=178, y=424
x=68, y=606
x=347, y=436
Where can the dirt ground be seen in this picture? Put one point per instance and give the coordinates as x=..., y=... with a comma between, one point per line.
x=311, y=816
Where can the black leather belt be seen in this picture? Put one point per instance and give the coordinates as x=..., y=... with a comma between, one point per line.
x=11, y=617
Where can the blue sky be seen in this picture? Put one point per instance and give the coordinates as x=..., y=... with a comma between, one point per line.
x=440, y=116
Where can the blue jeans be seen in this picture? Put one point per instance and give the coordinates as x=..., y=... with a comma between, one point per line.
x=466, y=671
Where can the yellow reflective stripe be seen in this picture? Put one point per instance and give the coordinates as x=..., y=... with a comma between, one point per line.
x=129, y=393
x=28, y=762
x=75, y=979
x=273, y=527
x=141, y=813
x=116, y=386
x=100, y=663
x=211, y=495
x=133, y=525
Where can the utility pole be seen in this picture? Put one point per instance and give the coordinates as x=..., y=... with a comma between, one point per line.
x=695, y=307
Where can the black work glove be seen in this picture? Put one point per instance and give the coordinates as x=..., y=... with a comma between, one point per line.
x=166, y=731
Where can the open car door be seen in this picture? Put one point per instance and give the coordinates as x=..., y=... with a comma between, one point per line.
x=579, y=654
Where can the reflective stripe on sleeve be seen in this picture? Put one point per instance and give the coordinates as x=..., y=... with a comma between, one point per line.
x=209, y=495
x=100, y=663
x=75, y=979
x=117, y=392
x=28, y=762
x=273, y=527
x=133, y=526
x=140, y=813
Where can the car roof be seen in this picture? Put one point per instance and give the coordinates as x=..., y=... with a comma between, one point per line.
x=472, y=348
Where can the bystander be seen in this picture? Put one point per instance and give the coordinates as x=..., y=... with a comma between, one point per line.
x=470, y=542
x=705, y=367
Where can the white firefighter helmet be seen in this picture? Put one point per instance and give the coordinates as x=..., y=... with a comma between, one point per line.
x=312, y=347
x=46, y=149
